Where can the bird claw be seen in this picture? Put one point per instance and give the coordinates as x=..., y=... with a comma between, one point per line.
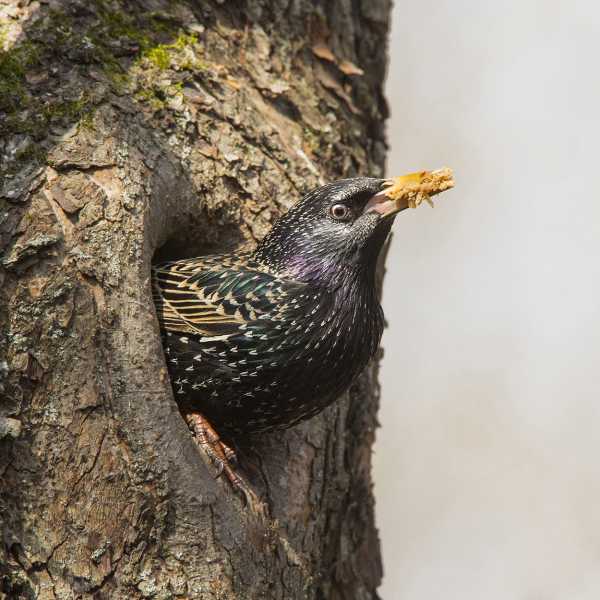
x=220, y=454
x=220, y=468
x=230, y=454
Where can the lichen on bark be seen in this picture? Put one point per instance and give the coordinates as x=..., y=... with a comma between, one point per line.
x=136, y=130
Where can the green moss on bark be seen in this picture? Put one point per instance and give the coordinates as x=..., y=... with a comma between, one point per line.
x=36, y=96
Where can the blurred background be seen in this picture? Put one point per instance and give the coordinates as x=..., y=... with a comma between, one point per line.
x=487, y=474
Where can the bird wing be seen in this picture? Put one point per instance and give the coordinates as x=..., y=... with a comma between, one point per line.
x=214, y=296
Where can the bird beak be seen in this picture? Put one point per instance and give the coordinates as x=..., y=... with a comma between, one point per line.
x=408, y=191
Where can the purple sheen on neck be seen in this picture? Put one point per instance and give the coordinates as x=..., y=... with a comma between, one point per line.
x=319, y=270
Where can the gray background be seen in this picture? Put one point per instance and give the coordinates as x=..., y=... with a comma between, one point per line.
x=487, y=474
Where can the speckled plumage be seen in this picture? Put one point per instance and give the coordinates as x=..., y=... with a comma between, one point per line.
x=259, y=341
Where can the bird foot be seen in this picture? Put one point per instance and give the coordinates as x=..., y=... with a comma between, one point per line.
x=220, y=453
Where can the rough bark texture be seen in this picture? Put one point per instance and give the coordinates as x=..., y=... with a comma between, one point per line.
x=136, y=130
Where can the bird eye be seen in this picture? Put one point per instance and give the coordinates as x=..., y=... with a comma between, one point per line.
x=340, y=212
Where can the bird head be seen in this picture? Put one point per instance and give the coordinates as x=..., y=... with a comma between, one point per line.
x=338, y=230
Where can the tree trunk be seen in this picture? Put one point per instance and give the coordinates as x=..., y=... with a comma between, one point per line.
x=136, y=131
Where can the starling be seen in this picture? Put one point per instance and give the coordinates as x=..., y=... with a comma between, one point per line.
x=261, y=340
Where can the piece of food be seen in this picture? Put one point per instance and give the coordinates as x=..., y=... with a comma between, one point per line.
x=411, y=190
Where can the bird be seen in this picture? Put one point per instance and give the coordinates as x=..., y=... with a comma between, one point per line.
x=257, y=341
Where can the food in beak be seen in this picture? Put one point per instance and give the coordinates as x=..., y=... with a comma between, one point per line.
x=409, y=191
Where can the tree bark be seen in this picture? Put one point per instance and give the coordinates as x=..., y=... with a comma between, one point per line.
x=136, y=131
